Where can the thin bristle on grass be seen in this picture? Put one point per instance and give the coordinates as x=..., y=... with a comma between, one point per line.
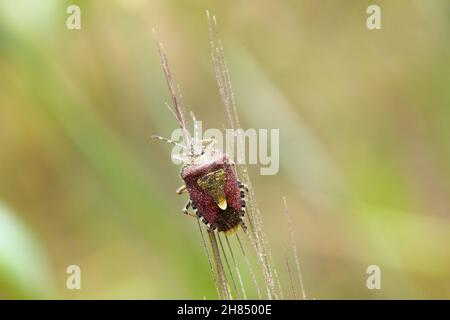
x=238, y=272
x=294, y=248
x=250, y=269
x=291, y=279
x=230, y=271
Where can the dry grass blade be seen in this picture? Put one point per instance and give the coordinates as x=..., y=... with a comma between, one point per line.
x=176, y=100
x=230, y=271
x=224, y=289
x=213, y=274
x=219, y=276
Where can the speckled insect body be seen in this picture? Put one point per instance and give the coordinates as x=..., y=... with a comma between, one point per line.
x=216, y=195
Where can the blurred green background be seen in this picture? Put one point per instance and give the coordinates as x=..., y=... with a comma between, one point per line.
x=364, y=156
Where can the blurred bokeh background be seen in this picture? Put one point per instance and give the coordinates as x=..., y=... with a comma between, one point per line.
x=364, y=156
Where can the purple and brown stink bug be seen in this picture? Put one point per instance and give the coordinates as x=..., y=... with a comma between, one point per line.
x=216, y=196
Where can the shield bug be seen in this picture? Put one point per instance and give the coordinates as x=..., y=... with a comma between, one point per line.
x=216, y=196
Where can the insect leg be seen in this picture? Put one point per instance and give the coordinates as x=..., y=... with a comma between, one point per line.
x=242, y=186
x=197, y=214
x=208, y=225
x=243, y=190
x=182, y=189
x=209, y=143
x=186, y=209
x=169, y=141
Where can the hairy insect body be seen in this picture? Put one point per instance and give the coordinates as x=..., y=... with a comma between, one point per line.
x=215, y=192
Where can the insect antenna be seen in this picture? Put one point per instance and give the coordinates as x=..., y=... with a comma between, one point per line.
x=168, y=141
